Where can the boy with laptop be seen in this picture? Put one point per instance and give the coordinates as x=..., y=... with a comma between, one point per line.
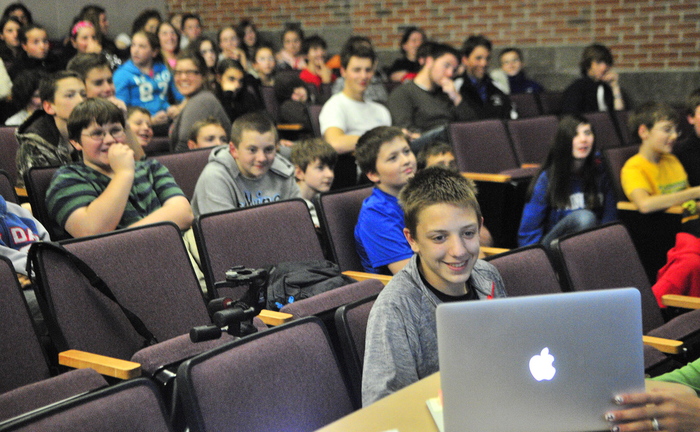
x=442, y=224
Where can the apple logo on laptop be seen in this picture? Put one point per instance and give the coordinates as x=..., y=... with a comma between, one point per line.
x=541, y=365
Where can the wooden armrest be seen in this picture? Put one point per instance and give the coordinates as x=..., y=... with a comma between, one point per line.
x=108, y=366
x=681, y=301
x=290, y=127
x=273, y=318
x=627, y=205
x=530, y=165
x=668, y=346
x=21, y=192
x=360, y=276
x=496, y=178
x=488, y=251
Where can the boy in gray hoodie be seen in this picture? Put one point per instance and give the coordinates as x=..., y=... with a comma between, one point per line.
x=246, y=172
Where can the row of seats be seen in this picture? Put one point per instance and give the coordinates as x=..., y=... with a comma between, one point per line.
x=168, y=299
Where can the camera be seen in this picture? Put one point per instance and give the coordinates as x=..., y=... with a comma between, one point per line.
x=235, y=316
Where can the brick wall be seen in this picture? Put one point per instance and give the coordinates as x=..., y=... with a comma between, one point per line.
x=644, y=35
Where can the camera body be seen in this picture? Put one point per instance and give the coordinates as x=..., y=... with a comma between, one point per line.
x=235, y=316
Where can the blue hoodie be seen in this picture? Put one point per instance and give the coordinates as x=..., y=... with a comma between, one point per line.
x=151, y=92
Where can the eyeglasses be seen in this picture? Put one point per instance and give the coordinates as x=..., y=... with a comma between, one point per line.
x=187, y=73
x=98, y=135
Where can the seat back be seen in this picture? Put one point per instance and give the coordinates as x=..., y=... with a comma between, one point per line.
x=605, y=127
x=329, y=301
x=8, y=151
x=615, y=159
x=185, y=167
x=482, y=146
x=149, y=272
x=7, y=188
x=526, y=104
x=551, y=102
x=527, y=271
x=269, y=99
x=256, y=237
x=622, y=119
x=285, y=378
x=533, y=137
x=605, y=257
x=314, y=112
x=134, y=405
x=23, y=360
x=37, y=182
x=157, y=146
x=351, y=326
x=338, y=213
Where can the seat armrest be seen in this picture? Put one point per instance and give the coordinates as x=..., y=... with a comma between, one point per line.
x=21, y=192
x=668, y=346
x=108, y=366
x=274, y=318
x=681, y=301
x=360, y=276
x=486, y=177
x=627, y=205
x=290, y=126
x=488, y=250
x=530, y=165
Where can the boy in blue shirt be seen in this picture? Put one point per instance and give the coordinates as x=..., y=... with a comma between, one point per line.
x=385, y=157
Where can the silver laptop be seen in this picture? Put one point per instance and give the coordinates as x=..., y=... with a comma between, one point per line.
x=539, y=363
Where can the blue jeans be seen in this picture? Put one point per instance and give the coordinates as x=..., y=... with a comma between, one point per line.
x=574, y=222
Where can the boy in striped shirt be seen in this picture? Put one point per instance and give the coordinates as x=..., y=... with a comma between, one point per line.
x=108, y=190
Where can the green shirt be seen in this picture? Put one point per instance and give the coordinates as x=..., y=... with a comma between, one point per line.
x=77, y=185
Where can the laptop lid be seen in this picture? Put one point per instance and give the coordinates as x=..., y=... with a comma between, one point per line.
x=539, y=363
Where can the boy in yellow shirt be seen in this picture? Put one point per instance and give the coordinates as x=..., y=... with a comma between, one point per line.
x=654, y=179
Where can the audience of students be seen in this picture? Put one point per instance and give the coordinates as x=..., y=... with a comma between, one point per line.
x=386, y=159
x=207, y=133
x=511, y=78
x=25, y=97
x=290, y=56
x=480, y=95
x=192, y=81
x=263, y=66
x=430, y=101
x=314, y=161
x=169, y=39
x=230, y=46
x=598, y=89
x=145, y=81
x=10, y=48
x=406, y=67
x=654, y=178
x=571, y=192
x=248, y=33
x=687, y=150
x=247, y=172
x=191, y=29
x=104, y=185
x=139, y=121
x=316, y=72
x=43, y=137
x=108, y=189
x=236, y=98
x=443, y=219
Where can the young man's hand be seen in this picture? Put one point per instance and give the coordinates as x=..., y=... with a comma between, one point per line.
x=121, y=158
x=448, y=86
x=611, y=77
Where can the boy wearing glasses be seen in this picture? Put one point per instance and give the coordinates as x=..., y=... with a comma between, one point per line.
x=654, y=179
x=108, y=190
